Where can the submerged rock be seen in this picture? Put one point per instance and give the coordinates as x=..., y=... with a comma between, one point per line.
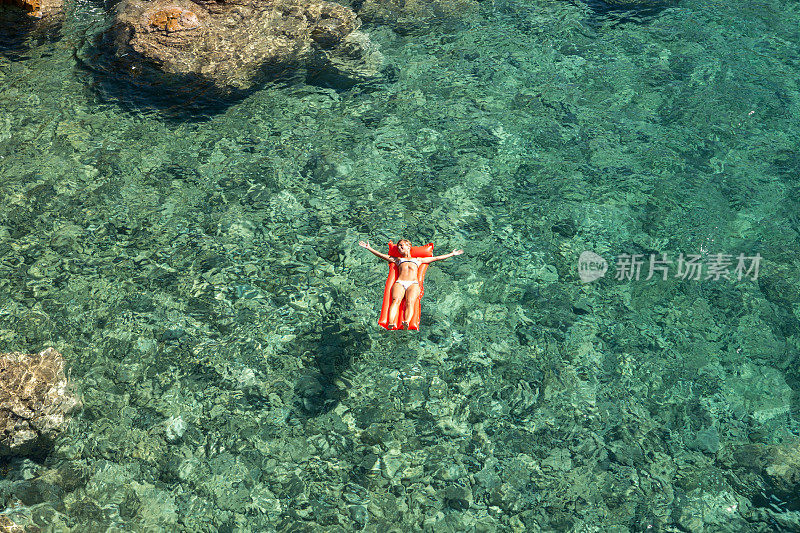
x=414, y=15
x=706, y=440
x=9, y=526
x=641, y=3
x=235, y=45
x=35, y=402
x=778, y=465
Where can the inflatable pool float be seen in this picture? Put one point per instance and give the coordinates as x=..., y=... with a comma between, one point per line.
x=416, y=251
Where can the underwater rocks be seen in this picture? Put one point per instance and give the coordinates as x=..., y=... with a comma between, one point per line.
x=778, y=465
x=235, y=45
x=35, y=403
x=9, y=526
x=640, y=3
x=768, y=475
x=36, y=8
x=414, y=15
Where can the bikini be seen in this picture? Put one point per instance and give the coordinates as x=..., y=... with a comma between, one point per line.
x=407, y=283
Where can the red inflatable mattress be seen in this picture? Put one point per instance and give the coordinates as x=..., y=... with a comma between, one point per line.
x=416, y=251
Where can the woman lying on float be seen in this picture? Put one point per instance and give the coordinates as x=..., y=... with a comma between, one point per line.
x=404, y=285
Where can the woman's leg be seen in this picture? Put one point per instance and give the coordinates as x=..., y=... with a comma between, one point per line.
x=397, y=296
x=412, y=295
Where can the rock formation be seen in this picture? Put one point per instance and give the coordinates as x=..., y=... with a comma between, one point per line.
x=9, y=526
x=766, y=474
x=35, y=402
x=37, y=8
x=779, y=464
x=235, y=45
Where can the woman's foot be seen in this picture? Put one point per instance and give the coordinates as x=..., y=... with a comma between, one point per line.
x=404, y=325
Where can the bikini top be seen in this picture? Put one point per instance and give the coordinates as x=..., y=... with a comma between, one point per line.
x=400, y=261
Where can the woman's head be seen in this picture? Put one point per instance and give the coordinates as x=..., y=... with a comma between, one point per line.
x=404, y=245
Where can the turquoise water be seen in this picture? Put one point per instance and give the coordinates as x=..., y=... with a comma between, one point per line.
x=196, y=262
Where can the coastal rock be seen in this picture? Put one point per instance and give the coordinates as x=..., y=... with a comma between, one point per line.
x=36, y=8
x=35, y=402
x=235, y=45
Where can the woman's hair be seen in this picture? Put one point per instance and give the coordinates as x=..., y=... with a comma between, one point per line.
x=402, y=241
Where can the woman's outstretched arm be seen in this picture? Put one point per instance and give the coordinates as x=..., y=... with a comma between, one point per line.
x=440, y=257
x=366, y=245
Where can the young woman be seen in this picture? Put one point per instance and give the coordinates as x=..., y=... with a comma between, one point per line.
x=406, y=287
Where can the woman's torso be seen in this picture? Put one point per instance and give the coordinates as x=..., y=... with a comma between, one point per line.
x=407, y=268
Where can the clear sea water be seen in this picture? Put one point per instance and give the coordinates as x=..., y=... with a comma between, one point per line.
x=196, y=263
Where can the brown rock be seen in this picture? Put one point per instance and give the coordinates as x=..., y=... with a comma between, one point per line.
x=37, y=8
x=35, y=402
x=235, y=45
x=172, y=19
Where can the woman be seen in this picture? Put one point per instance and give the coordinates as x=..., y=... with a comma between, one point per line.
x=406, y=287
